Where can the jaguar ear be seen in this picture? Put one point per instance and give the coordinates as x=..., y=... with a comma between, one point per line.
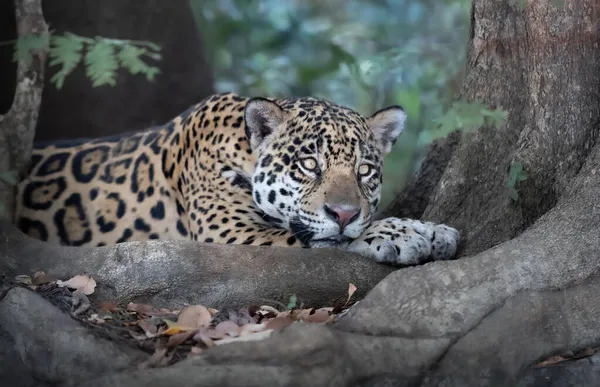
x=262, y=118
x=387, y=124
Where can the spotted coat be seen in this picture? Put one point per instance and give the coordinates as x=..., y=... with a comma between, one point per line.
x=284, y=172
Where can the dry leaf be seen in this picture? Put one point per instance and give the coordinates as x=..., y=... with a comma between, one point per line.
x=157, y=359
x=195, y=316
x=351, y=290
x=278, y=323
x=321, y=315
x=40, y=278
x=180, y=338
x=250, y=337
x=228, y=327
x=195, y=350
x=551, y=361
x=264, y=309
x=149, y=328
x=84, y=283
x=211, y=333
x=201, y=337
x=24, y=279
x=108, y=306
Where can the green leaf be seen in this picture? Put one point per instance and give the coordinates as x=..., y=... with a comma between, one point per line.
x=101, y=63
x=129, y=57
x=65, y=52
x=293, y=301
x=28, y=43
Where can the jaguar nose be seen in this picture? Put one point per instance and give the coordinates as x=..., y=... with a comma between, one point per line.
x=342, y=214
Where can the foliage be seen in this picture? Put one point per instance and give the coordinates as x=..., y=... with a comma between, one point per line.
x=102, y=57
x=516, y=173
x=365, y=54
x=292, y=303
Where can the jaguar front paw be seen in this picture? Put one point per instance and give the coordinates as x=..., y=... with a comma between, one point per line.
x=406, y=241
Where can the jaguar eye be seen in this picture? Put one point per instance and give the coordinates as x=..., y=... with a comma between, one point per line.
x=365, y=170
x=310, y=164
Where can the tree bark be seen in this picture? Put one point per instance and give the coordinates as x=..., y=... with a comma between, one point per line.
x=541, y=64
x=17, y=126
x=480, y=320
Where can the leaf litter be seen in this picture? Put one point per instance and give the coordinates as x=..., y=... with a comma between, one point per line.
x=170, y=335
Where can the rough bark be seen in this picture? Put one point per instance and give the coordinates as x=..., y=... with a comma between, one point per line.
x=17, y=126
x=412, y=201
x=542, y=65
x=172, y=273
x=477, y=321
x=78, y=110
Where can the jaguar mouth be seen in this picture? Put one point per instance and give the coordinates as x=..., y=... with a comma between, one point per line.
x=304, y=233
x=334, y=239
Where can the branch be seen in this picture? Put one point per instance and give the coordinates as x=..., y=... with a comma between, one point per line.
x=476, y=321
x=172, y=273
x=17, y=126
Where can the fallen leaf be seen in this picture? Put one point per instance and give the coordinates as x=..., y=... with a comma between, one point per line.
x=108, y=306
x=196, y=350
x=201, y=337
x=195, y=316
x=40, y=278
x=174, y=328
x=149, y=328
x=321, y=315
x=157, y=359
x=278, y=322
x=551, y=361
x=84, y=283
x=24, y=279
x=264, y=309
x=211, y=333
x=251, y=337
x=351, y=290
x=180, y=338
x=229, y=328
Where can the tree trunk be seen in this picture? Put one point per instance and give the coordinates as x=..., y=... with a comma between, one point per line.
x=480, y=320
x=17, y=126
x=540, y=63
x=78, y=110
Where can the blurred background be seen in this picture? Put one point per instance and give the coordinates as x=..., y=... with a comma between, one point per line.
x=365, y=54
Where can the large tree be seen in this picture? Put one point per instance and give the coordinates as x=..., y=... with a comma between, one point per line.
x=525, y=287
